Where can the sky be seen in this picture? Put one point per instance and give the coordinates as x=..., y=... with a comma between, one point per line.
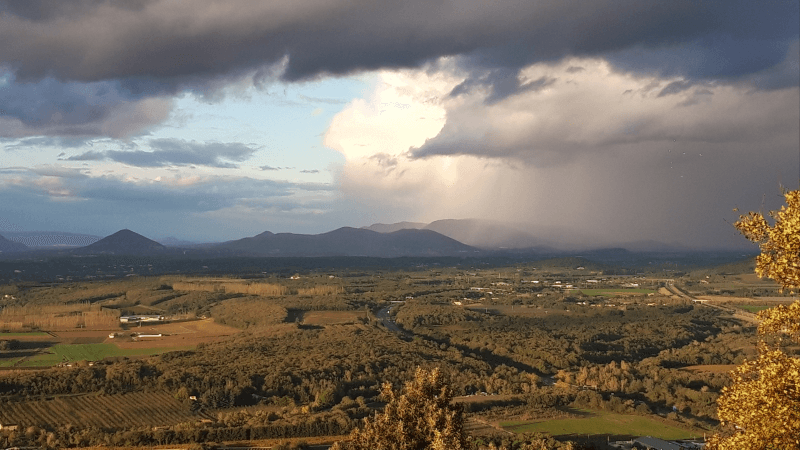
x=211, y=120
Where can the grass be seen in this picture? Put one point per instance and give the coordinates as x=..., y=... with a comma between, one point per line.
x=616, y=292
x=90, y=352
x=753, y=308
x=602, y=422
x=8, y=362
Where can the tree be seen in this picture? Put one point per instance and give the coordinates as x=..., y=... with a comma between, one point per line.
x=421, y=418
x=761, y=407
x=779, y=244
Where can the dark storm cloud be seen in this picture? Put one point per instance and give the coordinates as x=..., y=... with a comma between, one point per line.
x=175, y=152
x=162, y=41
x=82, y=67
x=502, y=83
x=52, y=9
x=675, y=87
x=51, y=107
x=73, y=103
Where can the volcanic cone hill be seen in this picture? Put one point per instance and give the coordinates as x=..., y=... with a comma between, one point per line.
x=123, y=242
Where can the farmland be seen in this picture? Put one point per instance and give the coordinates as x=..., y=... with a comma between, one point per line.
x=39, y=349
x=58, y=317
x=591, y=422
x=69, y=353
x=752, y=308
x=23, y=335
x=179, y=334
x=101, y=411
x=306, y=354
x=616, y=292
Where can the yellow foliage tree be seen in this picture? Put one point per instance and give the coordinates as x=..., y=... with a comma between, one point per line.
x=421, y=418
x=761, y=407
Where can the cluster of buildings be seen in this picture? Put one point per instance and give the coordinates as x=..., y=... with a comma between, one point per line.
x=142, y=318
x=651, y=443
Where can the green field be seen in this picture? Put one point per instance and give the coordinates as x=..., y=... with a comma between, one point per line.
x=602, y=422
x=84, y=352
x=753, y=308
x=616, y=292
x=8, y=362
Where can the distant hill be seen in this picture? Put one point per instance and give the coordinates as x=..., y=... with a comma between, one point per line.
x=745, y=265
x=123, y=242
x=51, y=239
x=496, y=235
x=485, y=233
x=351, y=242
x=392, y=227
x=481, y=233
x=7, y=246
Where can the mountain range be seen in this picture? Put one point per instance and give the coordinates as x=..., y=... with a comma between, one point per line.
x=500, y=236
x=351, y=242
x=467, y=237
x=341, y=242
x=485, y=234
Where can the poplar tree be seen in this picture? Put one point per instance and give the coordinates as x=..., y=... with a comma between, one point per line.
x=761, y=407
x=422, y=417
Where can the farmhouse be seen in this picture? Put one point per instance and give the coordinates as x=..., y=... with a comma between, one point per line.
x=141, y=318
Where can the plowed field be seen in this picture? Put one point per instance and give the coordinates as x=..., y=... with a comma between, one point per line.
x=106, y=411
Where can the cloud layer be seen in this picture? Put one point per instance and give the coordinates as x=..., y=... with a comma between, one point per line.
x=608, y=155
x=174, y=152
x=108, y=68
x=155, y=43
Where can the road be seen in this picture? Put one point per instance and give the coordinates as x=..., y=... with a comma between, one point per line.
x=737, y=313
x=386, y=319
x=671, y=287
